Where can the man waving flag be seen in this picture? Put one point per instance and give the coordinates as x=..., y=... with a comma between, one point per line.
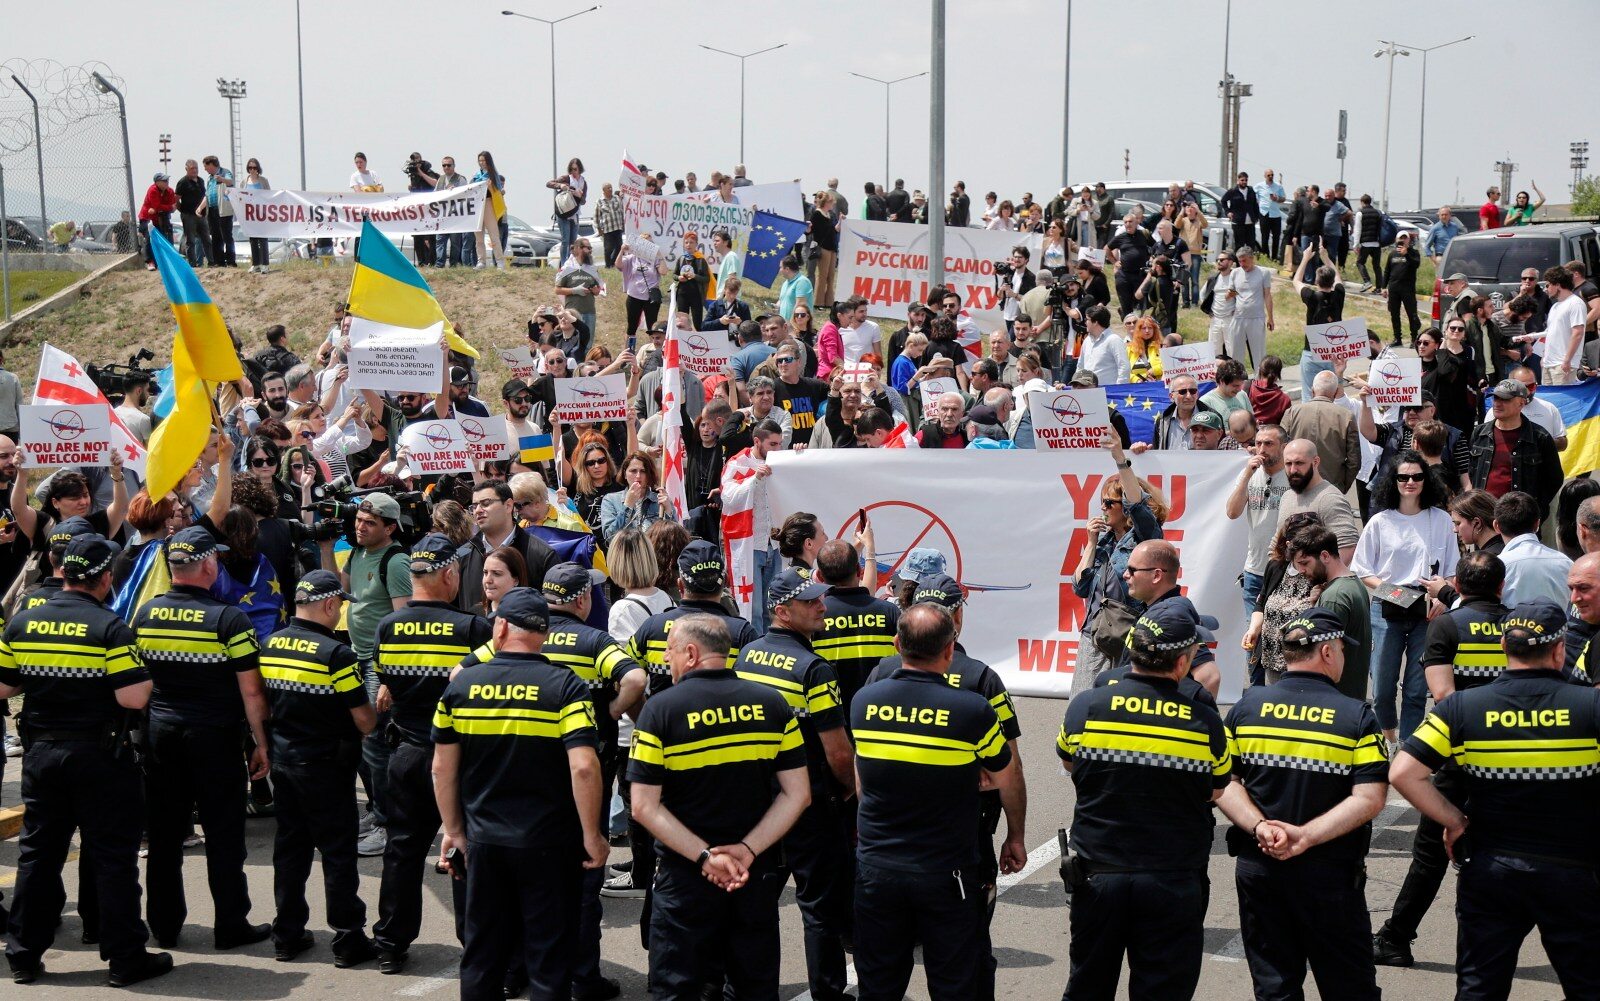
x=672, y=449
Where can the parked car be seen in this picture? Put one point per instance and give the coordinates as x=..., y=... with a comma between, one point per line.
x=1155, y=192
x=1493, y=260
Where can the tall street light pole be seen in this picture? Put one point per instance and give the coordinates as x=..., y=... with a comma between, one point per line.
x=1066, y=102
x=742, y=58
x=300, y=79
x=1391, y=50
x=1422, y=119
x=233, y=91
x=105, y=87
x=1225, y=181
x=936, y=147
x=552, y=26
x=38, y=150
x=887, y=84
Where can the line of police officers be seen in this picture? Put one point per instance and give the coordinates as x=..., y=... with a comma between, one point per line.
x=759, y=757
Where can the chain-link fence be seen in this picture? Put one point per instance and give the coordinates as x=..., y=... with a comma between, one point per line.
x=65, y=199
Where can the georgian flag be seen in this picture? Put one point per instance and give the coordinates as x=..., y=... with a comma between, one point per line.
x=672, y=451
x=738, y=527
x=62, y=380
x=901, y=437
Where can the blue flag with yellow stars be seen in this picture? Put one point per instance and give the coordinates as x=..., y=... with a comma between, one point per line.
x=1140, y=403
x=771, y=238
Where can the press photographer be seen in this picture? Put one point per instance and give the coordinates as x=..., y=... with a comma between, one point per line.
x=1013, y=280
x=420, y=177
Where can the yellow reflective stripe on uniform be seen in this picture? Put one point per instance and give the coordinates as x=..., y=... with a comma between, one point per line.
x=791, y=691
x=1370, y=750
x=399, y=657
x=1532, y=756
x=991, y=744
x=1067, y=743
x=1003, y=707
x=243, y=645
x=68, y=656
x=577, y=716
x=508, y=720
x=646, y=748
x=916, y=748
x=181, y=641
x=344, y=679
x=792, y=741
x=609, y=659
x=1143, y=743
x=726, y=749
x=1303, y=746
x=122, y=658
x=1434, y=732
x=853, y=648
x=300, y=672
x=823, y=697
x=1480, y=655
x=442, y=719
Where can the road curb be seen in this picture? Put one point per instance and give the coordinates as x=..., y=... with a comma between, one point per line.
x=10, y=822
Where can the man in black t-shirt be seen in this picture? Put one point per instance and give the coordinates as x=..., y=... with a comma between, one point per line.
x=1129, y=250
x=797, y=394
x=1324, y=304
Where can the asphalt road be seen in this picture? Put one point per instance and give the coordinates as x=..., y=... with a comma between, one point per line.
x=1030, y=923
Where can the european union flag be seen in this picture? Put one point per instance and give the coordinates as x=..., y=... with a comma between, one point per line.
x=1140, y=403
x=771, y=238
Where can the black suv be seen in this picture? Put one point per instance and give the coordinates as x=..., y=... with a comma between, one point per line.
x=1493, y=260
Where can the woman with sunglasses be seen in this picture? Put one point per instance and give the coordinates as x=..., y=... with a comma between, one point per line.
x=594, y=476
x=1458, y=370
x=804, y=327
x=1409, y=539
x=333, y=441
x=1131, y=511
x=255, y=181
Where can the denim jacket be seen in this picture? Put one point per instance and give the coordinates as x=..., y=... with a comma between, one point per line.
x=1103, y=578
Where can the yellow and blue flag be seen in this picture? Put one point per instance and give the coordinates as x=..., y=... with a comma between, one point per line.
x=535, y=448
x=771, y=238
x=176, y=445
x=200, y=325
x=1579, y=405
x=388, y=289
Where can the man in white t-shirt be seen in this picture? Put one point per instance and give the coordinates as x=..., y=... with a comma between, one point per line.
x=1542, y=412
x=863, y=335
x=364, y=179
x=1563, y=331
x=1250, y=288
x=1256, y=496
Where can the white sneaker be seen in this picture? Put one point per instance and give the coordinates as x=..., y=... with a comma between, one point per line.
x=366, y=825
x=13, y=746
x=622, y=886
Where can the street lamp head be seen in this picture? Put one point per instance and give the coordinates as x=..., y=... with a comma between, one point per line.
x=100, y=83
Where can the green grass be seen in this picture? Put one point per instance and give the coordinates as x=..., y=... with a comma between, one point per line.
x=29, y=287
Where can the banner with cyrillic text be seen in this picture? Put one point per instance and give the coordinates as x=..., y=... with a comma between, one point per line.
x=394, y=359
x=886, y=263
x=1198, y=361
x=280, y=215
x=590, y=399
x=1022, y=617
x=56, y=435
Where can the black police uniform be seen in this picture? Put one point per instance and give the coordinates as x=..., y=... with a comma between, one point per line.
x=1187, y=686
x=313, y=681
x=857, y=632
x=714, y=744
x=1145, y=762
x=1528, y=744
x=1468, y=639
x=920, y=742
x=195, y=647
x=1300, y=746
x=417, y=647
x=816, y=849
x=48, y=588
x=515, y=717
x=70, y=656
x=600, y=664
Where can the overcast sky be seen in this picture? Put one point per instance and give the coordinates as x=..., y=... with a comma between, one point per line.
x=390, y=76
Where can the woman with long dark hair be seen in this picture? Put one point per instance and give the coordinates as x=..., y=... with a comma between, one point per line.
x=503, y=569
x=1267, y=398
x=497, y=200
x=1285, y=593
x=254, y=181
x=668, y=539
x=594, y=476
x=799, y=538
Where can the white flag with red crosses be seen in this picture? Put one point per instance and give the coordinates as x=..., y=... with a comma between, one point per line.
x=62, y=380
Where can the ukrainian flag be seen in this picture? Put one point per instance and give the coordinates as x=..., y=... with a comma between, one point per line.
x=1580, y=412
x=200, y=325
x=176, y=445
x=535, y=448
x=386, y=288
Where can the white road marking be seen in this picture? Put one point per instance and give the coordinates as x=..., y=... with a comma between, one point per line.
x=445, y=976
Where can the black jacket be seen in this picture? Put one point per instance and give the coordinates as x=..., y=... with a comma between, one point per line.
x=276, y=358
x=1535, y=463
x=536, y=553
x=1401, y=272
x=1241, y=207
x=898, y=202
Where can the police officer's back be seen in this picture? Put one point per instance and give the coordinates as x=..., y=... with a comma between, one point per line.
x=1529, y=745
x=417, y=646
x=518, y=787
x=1311, y=772
x=921, y=744
x=719, y=775
x=203, y=657
x=1147, y=762
x=701, y=572
x=78, y=666
x=319, y=714
x=857, y=629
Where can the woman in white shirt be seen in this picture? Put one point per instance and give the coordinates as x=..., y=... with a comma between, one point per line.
x=1030, y=376
x=1408, y=540
x=1005, y=217
x=631, y=563
x=1055, y=252
x=332, y=440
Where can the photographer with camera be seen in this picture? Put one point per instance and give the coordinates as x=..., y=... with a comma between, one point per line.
x=420, y=177
x=1012, y=280
x=1158, y=293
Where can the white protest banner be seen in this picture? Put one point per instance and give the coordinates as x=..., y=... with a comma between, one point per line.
x=705, y=352
x=1094, y=255
x=282, y=215
x=56, y=435
x=1023, y=618
x=595, y=398
x=666, y=218
x=932, y=389
x=857, y=372
x=520, y=361
x=1068, y=418
x=1395, y=382
x=436, y=446
x=396, y=359
x=488, y=438
x=886, y=263
x=1339, y=340
x=1198, y=360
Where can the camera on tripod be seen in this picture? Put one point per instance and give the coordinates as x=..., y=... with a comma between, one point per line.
x=413, y=164
x=115, y=380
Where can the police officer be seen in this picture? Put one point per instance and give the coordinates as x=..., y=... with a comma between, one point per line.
x=974, y=675
x=718, y=768
x=616, y=684
x=1528, y=744
x=1147, y=763
x=816, y=848
x=700, y=583
x=517, y=781
x=61, y=533
x=921, y=744
x=416, y=648
x=78, y=665
x=1310, y=773
x=1462, y=651
x=320, y=713
x=1187, y=685
x=203, y=658
x=857, y=629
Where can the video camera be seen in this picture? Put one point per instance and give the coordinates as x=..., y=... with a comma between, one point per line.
x=416, y=161
x=115, y=380
x=337, y=501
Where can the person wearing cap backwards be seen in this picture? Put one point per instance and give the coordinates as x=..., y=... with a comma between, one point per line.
x=925, y=746
x=517, y=781
x=416, y=648
x=1147, y=764
x=815, y=848
x=320, y=713
x=1310, y=773
x=718, y=773
x=203, y=658
x=1463, y=652
x=1528, y=744
x=973, y=675
x=78, y=665
x=616, y=685
x=701, y=572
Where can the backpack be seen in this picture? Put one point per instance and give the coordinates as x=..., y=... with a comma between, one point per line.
x=1387, y=231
